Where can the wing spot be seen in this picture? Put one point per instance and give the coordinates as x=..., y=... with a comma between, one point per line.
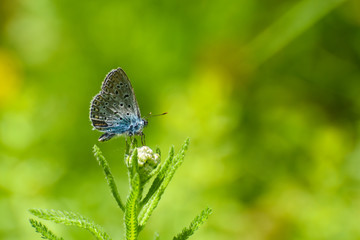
x=121, y=104
x=129, y=106
x=126, y=96
x=116, y=92
x=127, y=113
x=121, y=84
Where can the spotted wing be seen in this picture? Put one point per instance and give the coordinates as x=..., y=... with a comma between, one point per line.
x=102, y=115
x=117, y=85
x=115, y=103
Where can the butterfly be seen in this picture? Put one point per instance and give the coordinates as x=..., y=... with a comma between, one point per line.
x=114, y=110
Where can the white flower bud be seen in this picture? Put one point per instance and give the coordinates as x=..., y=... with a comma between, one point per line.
x=147, y=161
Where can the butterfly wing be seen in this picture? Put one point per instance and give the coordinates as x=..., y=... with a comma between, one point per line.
x=116, y=102
x=102, y=115
x=118, y=86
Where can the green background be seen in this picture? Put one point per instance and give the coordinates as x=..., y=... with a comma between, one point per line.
x=268, y=92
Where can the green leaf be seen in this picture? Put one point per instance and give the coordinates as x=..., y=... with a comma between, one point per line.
x=154, y=200
x=132, y=164
x=131, y=223
x=159, y=178
x=298, y=19
x=71, y=219
x=194, y=225
x=158, y=151
x=108, y=175
x=43, y=230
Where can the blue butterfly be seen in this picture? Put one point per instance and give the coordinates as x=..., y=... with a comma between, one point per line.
x=114, y=110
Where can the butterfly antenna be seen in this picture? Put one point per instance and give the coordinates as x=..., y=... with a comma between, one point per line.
x=155, y=115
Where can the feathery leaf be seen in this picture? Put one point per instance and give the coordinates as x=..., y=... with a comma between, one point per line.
x=71, y=219
x=109, y=177
x=149, y=207
x=131, y=223
x=194, y=225
x=160, y=177
x=43, y=230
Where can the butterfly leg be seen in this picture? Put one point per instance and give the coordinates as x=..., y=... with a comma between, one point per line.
x=133, y=142
x=143, y=139
x=127, y=147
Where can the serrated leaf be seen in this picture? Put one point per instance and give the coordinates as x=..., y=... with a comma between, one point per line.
x=149, y=207
x=43, y=230
x=194, y=225
x=108, y=175
x=159, y=178
x=71, y=219
x=131, y=223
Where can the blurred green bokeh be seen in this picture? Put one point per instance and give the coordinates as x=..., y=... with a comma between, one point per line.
x=268, y=92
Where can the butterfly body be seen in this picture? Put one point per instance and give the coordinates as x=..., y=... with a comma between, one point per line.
x=115, y=110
